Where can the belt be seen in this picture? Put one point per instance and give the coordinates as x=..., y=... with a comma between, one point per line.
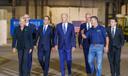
x=97, y=44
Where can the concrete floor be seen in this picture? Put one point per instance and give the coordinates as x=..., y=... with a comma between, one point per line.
x=9, y=63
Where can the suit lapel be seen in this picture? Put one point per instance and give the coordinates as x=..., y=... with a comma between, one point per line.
x=86, y=26
x=61, y=27
x=67, y=28
x=46, y=30
x=110, y=31
x=116, y=32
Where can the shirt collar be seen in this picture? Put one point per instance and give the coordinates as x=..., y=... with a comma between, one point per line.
x=113, y=27
x=96, y=26
x=89, y=24
x=27, y=24
x=46, y=26
x=65, y=23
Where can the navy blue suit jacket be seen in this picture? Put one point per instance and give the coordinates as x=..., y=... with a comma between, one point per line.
x=22, y=40
x=34, y=32
x=81, y=41
x=65, y=41
x=45, y=40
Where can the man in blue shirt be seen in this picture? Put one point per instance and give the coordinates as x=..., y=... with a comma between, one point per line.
x=98, y=40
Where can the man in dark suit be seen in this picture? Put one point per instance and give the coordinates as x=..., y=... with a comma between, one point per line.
x=45, y=44
x=116, y=42
x=65, y=43
x=22, y=40
x=34, y=33
x=32, y=27
x=84, y=43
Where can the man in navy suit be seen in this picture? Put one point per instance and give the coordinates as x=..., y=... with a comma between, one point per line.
x=32, y=27
x=65, y=43
x=34, y=33
x=84, y=43
x=45, y=44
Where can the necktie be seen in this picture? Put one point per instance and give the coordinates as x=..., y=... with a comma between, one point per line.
x=88, y=26
x=64, y=28
x=44, y=29
x=113, y=33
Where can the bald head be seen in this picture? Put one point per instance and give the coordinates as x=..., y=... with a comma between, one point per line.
x=64, y=17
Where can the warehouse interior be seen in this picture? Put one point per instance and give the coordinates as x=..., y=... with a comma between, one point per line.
x=76, y=9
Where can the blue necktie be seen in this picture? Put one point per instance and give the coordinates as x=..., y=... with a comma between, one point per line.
x=64, y=28
x=44, y=29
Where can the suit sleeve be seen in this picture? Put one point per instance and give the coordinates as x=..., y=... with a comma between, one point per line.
x=88, y=34
x=14, y=39
x=73, y=37
x=34, y=34
x=79, y=36
x=56, y=36
x=122, y=38
x=52, y=36
x=31, y=39
x=105, y=33
x=37, y=35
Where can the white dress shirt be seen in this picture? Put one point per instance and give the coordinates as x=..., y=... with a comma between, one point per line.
x=89, y=26
x=27, y=24
x=65, y=25
x=113, y=28
x=45, y=27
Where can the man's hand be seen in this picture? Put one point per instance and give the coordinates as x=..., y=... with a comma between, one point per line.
x=106, y=49
x=73, y=49
x=56, y=47
x=80, y=46
x=14, y=50
x=83, y=35
x=82, y=31
x=30, y=51
x=35, y=48
x=53, y=49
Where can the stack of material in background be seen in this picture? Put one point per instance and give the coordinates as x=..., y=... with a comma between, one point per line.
x=3, y=27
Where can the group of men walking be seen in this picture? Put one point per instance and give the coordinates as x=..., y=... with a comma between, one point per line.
x=94, y=38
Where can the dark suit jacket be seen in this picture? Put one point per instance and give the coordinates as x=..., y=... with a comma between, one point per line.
x=118, y=40
x=67, y=40
x=45, y=40
x=22, y=40
x=81, y=41
x=34, y=32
